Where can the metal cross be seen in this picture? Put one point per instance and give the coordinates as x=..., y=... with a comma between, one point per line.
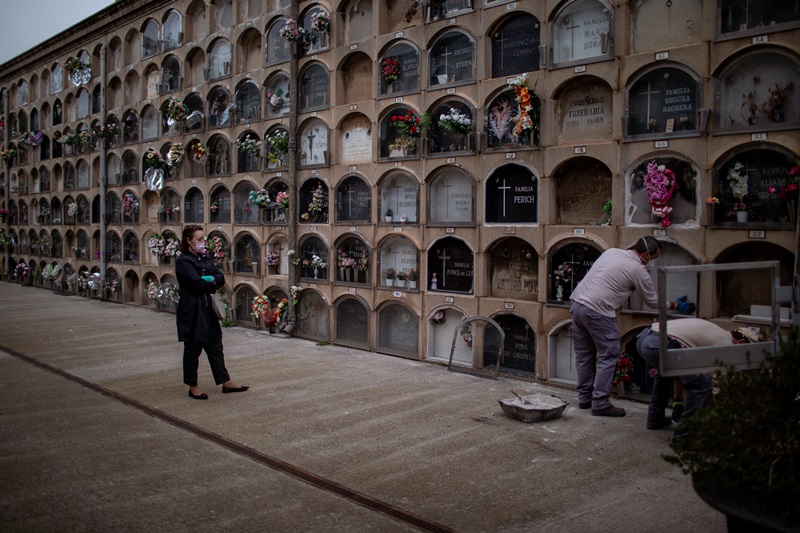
x=572, y=32
x=648, y=94
x=446, y=185
x=501, y=40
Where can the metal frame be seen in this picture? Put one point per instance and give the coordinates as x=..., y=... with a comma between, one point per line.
x=683, y=361
x=472, y=370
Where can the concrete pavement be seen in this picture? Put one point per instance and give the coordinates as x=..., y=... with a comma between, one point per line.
x=411, y=439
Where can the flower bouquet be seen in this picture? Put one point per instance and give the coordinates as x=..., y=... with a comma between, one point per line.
x=737, y=181
x=291, y=32
x=390, y=275
x=282, y=199
x=259, y=198
x=175, y=155
x=659, y=183
x=156, y=244
x=176, y=110
x=775, y=104
x=8, y=155
x=563, y=274
x=438, y=318
x=788, y=187
x=153, y=158
x=293, y=292
x=390, y=69
x=171, y=249
x=319, y=202
x=455, y=122
x=524, y=121
x=220, y=104
x=33, y=138
x=199, y=152
x=321, y=21
x=214, y=207
x=260, y=306
x=624, y=370
x=130, y=204
x=153, y=289
x=317, y=262
x=215, y=247
x=84, y=137
x=249, y=145
x=21, y=271
x=73, y=65
x=276, y=99
x=273, y=259
x=466, y=334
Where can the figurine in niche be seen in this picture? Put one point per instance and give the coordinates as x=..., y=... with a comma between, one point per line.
x=434, y=283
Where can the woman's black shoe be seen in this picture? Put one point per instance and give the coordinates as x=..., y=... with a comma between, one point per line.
x=201, y=396
x=226, y=390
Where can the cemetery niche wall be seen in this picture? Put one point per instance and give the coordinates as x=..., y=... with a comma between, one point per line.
x=583, y=188
x=352, y=322
x=398, y=330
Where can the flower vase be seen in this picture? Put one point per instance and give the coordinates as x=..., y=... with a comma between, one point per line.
x=316, y=273
x=342, y=274
x=401, y=283
x=741, y=216
x=559, y=292
x=390, y=282
x=412, y=284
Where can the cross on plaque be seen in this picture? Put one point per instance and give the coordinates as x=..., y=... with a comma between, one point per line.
x=504, y=188
x=349, y=192
x=572, y=263
x=572, y=36
x=395, y=261
x=311, y=145
x=501, y=40
x=446, y=185
x=444, y=55
x=648, y=93
x=397, y=191
x=444, y=257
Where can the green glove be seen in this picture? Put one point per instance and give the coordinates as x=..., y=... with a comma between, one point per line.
x=209, y=279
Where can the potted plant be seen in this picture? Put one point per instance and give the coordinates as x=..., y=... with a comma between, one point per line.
x=390, y=274
x=412, y=279
x=401, y=279
x=743, y=449
x=388, y=216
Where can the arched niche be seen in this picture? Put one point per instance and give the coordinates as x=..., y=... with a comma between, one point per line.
x=352, y=261
x=313, y=143
x=451, y=198
x=398, y=330
x=277, y=49
x=398, y=254
x=441, y=323
x=355, y=79
x=519, y=348
x=276, y=97
x=277, y=258
x=585, y=110
x=583, y=188
x=653, y=22
x=398, y=195
x=681, y=284
x=514, y=269
x=663, y=101
x=568, y=263
x=314, y=88
x=755, y=179
x=353, y=200
x=352, y=319
x=451, y=59
x=399, y=70
x=313, y=201
x=512, y=195
x=641, y=209
x=220, y=205
x=314, y=259
x=247, y=255
x=313, y=316
x=739, y=290
x=451, y=266
x=243, y=297
x=357, y=17
x=582, y=31
x=356, y=140
x=515, y=45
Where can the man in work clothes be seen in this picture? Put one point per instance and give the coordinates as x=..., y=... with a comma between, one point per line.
x=684, y=333
x=595, y=301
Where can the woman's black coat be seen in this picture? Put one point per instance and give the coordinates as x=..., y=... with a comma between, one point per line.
x=196, y=318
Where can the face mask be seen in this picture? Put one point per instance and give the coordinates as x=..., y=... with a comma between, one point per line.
x=200, y=247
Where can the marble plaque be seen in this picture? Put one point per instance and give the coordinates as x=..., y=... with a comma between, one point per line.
x=512, y=195
x=398, y=330
x=314, y=144
x=451, y=264
x=515, y=271
x=584, y=186
x=519, y=349
x=579, y=31
x=353, y=200
x=451, y=59
x=576, y=259
x=400, y=195
x=357, y=143
x=451, y=198
x=659, y=95
x=312, y=316
x=585, y=112
x=352, y=322
x=515, y=46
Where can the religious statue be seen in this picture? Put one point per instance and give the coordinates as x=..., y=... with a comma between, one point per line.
x=434, y=283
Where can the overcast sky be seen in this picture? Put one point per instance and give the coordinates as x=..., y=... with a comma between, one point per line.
x=27, y=23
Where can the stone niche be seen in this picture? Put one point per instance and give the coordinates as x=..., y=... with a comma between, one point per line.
x=515, y=46
x=357, y=76
x=440, y=337
x=738, y=290
x=584, y=186
x=398, y=193
x=451, y=198
x=580, y=31
x=358, y=19
x=519, y=348
x=314, y=143
x=663, y=101
x=677, y=22
x=680, y=284
x=514, y=270
x=352, y=323
x=398, y=330
x=353, y=200
x=584, y=111
x=512, y=195
x=450, y=266
x=684, y=204
x=312, y=316
x=356, y=141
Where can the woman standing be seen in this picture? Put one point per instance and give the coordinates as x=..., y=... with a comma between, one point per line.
x=198, y=327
